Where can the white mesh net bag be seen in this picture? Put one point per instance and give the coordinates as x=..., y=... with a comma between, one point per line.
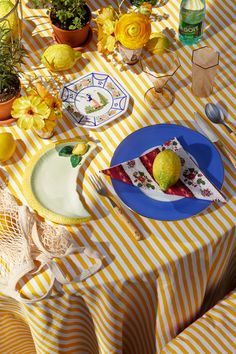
x=15, y=257
x=24, y=239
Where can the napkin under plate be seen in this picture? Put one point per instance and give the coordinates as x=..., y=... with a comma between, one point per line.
x=192, y=183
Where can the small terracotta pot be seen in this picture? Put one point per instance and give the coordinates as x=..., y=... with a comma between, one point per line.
x=74, y=38
x=5, y=108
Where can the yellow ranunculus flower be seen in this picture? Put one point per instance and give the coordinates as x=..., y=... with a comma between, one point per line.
x=133, y=30
x=30, y=112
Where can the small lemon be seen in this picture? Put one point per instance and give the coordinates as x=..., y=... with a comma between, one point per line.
x=80, y=149
x=58, y=57
x=10, y=23
x=166, y=169
x=7, y=146
x=157, y=43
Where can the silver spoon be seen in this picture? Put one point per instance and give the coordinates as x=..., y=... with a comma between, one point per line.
x=216, y=116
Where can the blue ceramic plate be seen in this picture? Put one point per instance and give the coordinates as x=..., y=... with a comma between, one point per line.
x=200, y=148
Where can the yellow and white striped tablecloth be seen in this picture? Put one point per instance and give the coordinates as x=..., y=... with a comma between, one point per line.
x=214, y=332
x=147, y=291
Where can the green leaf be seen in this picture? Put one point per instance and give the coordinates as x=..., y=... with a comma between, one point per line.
x=75, y=160
x=66, y=151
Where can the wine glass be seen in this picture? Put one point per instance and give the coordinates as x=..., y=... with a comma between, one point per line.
x=159, y=69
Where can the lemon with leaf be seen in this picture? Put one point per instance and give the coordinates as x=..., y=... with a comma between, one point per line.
x=7, y=146
x=59, y=57
x=166, y=169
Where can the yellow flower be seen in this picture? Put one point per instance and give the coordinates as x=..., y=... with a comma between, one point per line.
x=100, y=32
x=105, y=28
x=30, y=112
x=38, y=90
x=106, y=14
x=133, y=30
x=106, y=42
x=145, y=9
x=110, y=43
x=55, y=105
x=109, y=27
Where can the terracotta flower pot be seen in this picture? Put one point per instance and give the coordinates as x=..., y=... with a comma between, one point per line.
x=74, y=38
x=5, y=110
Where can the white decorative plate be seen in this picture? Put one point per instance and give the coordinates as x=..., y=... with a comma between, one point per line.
x=94, y=99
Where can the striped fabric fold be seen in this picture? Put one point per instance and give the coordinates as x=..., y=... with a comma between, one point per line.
x=213, y=333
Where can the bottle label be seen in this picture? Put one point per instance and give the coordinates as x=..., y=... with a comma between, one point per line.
x=190, y=29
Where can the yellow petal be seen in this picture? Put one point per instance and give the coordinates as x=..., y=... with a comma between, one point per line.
x=19, y=105
x=106, y=14
x=25, y=123
x=110, y=43
x=38, y=123
x=108, y=27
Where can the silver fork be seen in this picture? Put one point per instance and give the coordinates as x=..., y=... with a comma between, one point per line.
x=101, y=189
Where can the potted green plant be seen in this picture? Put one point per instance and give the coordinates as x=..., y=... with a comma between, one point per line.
x=11, y=54
x=70, y=20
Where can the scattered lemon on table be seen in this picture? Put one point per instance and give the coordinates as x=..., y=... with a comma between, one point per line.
x=166, y=169
x=7, y=146
x=157, y=43
x=11, y=21
x=59, y=57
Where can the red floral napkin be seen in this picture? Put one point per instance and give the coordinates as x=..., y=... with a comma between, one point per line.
x=192, y=183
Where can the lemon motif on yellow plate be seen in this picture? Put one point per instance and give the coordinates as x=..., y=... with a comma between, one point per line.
x=166, y=169
x=80, y=149
x=7, y=146
x=58, y=57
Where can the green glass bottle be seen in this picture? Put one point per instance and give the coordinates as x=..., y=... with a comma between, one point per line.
x=191, y=20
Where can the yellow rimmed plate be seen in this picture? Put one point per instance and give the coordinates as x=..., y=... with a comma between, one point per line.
x=50, y=184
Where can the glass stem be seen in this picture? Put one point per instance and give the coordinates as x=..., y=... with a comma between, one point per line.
x=158, y=90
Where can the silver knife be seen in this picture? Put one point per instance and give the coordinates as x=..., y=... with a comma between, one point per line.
x=209, y=133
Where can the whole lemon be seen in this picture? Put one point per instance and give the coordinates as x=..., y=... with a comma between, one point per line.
x=157, y=43
x=166, y=169
x=58, y=57
x=10, y=23
x=7, y=146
